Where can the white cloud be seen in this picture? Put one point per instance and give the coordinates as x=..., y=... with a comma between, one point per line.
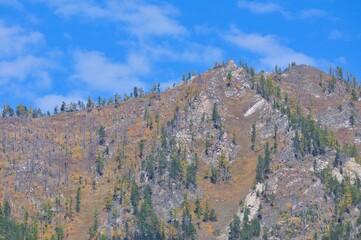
x=20, y=68
x=269, y=48
x=14, y=40
x=312, y=13
x=258, y=7
x=141, y=19
x=202, y=54
x=12, y=3
x=152, y=20
x=101, y=74
x=23, y=74
x=48, y=102
x=68, y=9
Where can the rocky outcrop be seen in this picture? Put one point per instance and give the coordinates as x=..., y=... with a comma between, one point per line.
x=352, y=170
x=252, y=202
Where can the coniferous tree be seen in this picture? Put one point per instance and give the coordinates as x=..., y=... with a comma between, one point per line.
x=259, y=169
x=188, y=229
x=275, y=144
x=214, y=175
x=191, y=176
x=141, y=147
x=89, y=102
x=235, y=229
x=100, y=164
x=215, y=116
x=59, y=233
x=267, y=158
x=101, y=134
x=94, y=228
x=135, y=92
x=352, y=119
x=134, y=197
x=198, y=209
x=253, y=137
x=229, y=78
x=212, y=215
x=208, y=144
x=148, y=223
x=77, y=203
x=206, y=213
x=62, y=108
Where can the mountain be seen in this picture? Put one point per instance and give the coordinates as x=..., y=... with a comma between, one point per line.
x=227, y=154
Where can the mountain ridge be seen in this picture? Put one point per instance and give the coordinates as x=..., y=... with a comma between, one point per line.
x=224, y=136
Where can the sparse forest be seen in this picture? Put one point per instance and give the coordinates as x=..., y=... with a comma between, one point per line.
x=212, y=157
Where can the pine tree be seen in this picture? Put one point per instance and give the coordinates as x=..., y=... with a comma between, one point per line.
x=214, y=174
x=135, y=92
x=215, y=116
x=267, y=158
x=141, y=147
x=253, y=137
x=259, y=170
x=208, y=144
x=101, y=134
x=135, y=197
x=100, y=164
x=94, y=228
x=59, y=233
x=191, y=176
x=352, y=118
x=275, y=144
x=148, y=223
x=212, y=215
x=229, y=78
x=62, y=108
x=77, y=204
x=188, y=229
x=206, y=213
x=235, y=229
x=198, y=209
x=7, y=209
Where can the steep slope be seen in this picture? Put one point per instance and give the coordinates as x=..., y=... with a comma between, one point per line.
x=260, y=147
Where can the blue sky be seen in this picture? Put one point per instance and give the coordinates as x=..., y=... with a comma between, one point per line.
x=64, y=50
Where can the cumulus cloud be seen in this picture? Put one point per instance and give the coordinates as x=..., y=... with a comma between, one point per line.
x=312, y=13
x=14, y=40
x=269, y=48
x=101, y=74
x=19, y=69
x=140, y=18
x=12, y=3
x=258, y=7
x=22, y=74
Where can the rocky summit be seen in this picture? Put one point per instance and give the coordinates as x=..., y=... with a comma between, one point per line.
x=228, y=154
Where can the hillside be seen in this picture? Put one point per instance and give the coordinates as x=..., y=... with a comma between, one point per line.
x=227, y=154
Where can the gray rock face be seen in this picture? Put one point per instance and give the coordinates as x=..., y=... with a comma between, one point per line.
x=276, y=119
x=292, y=191
x=335, y=118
